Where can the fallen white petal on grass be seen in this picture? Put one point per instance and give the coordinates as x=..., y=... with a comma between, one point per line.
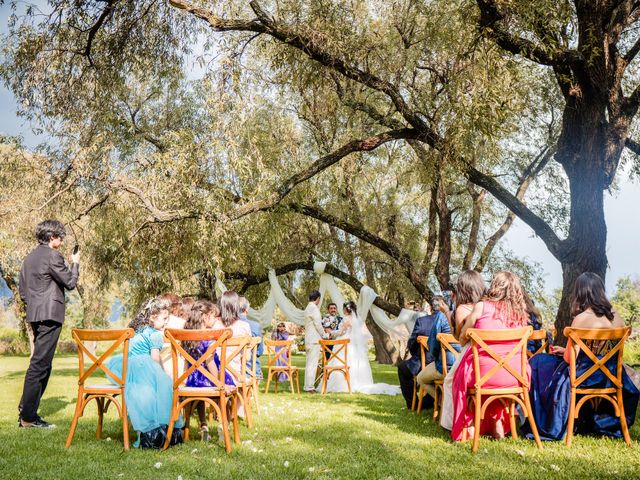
x=312, y=469
x=555, y=468
x=288, y=439
x=108, y=439
x=157, y=464
x=179, y=477
x=195, y=450
x=247, y=442
x=286, y=464
x=520, y=452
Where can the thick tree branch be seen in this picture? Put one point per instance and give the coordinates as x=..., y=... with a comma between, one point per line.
x=217, y=23
x=494, y=24
x=532, y=170
x=632, y=145
x=104, y=16
x=390, y=249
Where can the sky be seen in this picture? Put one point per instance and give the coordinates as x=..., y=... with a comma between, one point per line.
x=623, y=230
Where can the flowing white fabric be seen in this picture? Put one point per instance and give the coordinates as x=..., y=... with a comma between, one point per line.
x=398, y=329
x=358, y=362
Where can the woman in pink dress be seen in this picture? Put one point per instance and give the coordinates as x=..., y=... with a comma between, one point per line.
x=502, y=307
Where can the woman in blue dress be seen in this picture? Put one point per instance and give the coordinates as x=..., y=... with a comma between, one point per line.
x=550, y=384
x=148, y=389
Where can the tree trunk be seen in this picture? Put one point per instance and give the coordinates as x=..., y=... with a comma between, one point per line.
x=584, y=152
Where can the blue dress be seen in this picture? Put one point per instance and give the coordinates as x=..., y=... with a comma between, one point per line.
x=197, y=378
x=550, y=395
x=148, y=389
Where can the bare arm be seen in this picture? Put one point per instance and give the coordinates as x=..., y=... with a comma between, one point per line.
x=470, y=323
x=155, y=355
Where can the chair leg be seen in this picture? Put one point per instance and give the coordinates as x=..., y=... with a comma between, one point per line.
x=188, y=411
x=266, y=390
x=571, y=420
x=476, y=423
x=246, y=403
x=532, y=421
x=413, y=397
x=76, y=415
x=435, y=402
x=254, y=393
x=236, y=427
x=276, y=382
x=175, y=414
x=325, y=376
x=224, y=421
x=348, y=377
x=623, y=419
x=125, y=424
x=298, y=383
x=100, y=403
x=512, y=420
x=421, y=394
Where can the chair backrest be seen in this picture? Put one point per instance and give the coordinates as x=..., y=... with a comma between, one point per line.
x=446, y=341
x=335, y=350
x=582, y=337
x=423, y=341
x=278, y=350
x=543, y=337
x=483, y=339
x=253, y=348
x=117, y=337
x=238, y=347
x=218, y=339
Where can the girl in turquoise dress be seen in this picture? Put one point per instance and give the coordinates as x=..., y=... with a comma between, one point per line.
x=148, y=389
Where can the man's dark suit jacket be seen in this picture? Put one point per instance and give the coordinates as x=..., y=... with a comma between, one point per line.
x=43, y=279
x=422, y=327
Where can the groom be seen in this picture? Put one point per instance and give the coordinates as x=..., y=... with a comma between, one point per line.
x=313, y=332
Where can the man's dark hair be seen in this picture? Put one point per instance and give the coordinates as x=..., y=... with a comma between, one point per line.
x=49, y=229
x=314, y=295
x=332, y=304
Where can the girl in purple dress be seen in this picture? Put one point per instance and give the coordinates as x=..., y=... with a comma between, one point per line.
x=281, y=334
x=202, y=316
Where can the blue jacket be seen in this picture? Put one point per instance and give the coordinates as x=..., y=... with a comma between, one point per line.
x=441, y=325
x=422, y=327
x=256, y=331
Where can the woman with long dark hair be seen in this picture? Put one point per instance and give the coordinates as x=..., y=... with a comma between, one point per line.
x=550, y=384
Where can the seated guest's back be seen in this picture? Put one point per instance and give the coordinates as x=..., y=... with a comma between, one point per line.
x=411, y=367
x=502, y=307
x=230, y=319
x=256, y=331
x=550, y=385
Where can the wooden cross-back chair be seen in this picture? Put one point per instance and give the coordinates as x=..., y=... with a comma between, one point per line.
x=104, y=393
x=253, y=374
x=582, y=337
x=446, y=341
x=241, y=347
x=216, y=397
x=419, y=393
x=280, y=350
x=519, y=393
x=543, y=337
x=338, y=352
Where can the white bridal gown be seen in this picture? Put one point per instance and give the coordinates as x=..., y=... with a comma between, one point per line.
x=358, y=362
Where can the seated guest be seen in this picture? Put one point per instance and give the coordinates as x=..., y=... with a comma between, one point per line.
x=178, y=314
x=148, y=389
x=535, y=320
x=550, y=391
x=433, y=371
x=230, y=319
x=281, y=334
x=408, y=369
x=202, y=315
x=256, y=331
x=502, y=307
x=469, y=290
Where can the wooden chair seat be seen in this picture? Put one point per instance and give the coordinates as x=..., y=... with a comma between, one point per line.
x=481, y=396
x=336, y=350
x=209, y=391
x=280, y=351
x=582, y=339
x=103, y=393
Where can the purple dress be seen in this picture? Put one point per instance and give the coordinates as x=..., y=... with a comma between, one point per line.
x=197, y=378
x=282, y=361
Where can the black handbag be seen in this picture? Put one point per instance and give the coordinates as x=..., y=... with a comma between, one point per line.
x=155, y=438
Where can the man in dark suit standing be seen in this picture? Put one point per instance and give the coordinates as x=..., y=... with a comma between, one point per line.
x=411, y=367
x=43, y=279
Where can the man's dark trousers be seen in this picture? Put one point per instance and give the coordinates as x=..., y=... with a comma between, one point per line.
x=46, y=334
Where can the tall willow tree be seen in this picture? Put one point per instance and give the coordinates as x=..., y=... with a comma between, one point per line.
x=448, y=87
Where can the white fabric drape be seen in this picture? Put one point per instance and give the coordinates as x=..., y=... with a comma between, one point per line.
x=399, y=328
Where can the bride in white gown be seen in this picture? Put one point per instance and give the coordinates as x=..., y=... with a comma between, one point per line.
x=357, y=359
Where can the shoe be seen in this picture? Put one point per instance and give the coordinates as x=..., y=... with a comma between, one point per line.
x=39, y=423
x=204, y=433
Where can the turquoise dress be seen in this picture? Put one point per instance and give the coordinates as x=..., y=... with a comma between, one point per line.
x=148, y=389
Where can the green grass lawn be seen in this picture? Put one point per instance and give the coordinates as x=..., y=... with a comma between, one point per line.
x=307, y=436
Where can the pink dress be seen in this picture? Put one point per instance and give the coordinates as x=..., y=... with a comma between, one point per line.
x=465, y=378
x=238, y=329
